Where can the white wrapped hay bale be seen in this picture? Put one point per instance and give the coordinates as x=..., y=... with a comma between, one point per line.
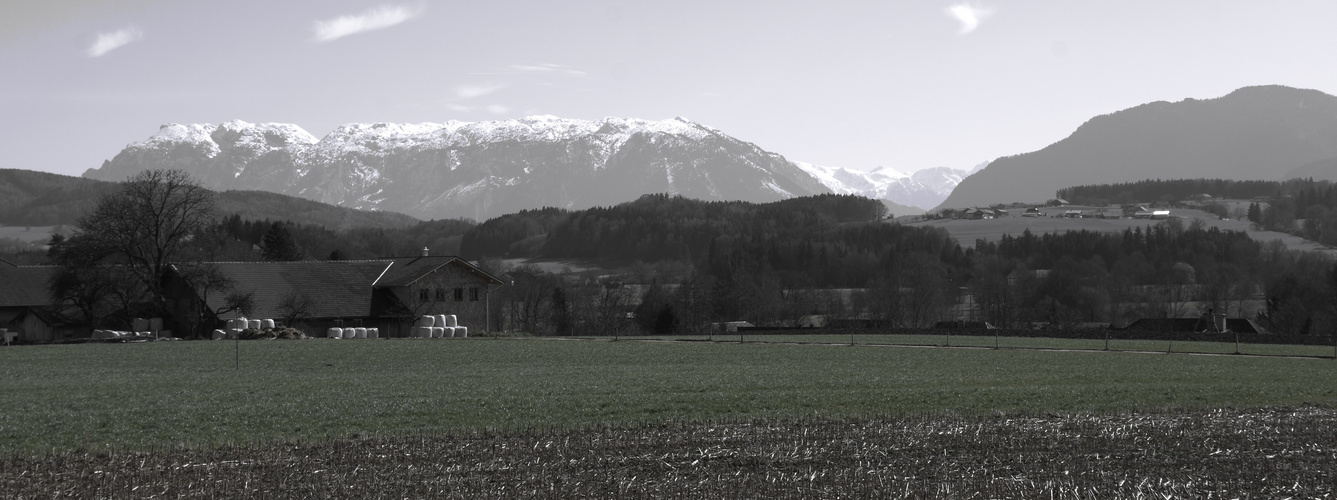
x=438, y=332
x=350, y=333
x=421, y=332
x=335, y=333
x=427, y=321
x=267, y=323
x=448, y=320
x=253, y=324
x=447, y=332
x=219, y=335
x=461, y=332
x=373, y=333
x=361, y=332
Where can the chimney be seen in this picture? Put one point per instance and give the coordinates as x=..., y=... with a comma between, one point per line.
x=424, y=251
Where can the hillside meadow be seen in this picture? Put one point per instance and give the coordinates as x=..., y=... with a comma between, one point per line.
x=967, y=231
x=126, y=397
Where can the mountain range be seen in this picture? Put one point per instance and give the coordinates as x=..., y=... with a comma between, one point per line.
x=921, y=190
x=1254, y=133
x=485, y=169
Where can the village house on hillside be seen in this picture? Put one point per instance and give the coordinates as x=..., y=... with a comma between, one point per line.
x=383, y=293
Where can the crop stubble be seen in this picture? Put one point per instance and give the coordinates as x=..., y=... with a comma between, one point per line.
x=1273, y=452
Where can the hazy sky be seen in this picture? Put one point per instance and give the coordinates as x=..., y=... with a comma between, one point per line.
x=902, y=84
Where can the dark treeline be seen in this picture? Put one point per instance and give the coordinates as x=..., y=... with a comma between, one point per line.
x=1086, y=276
x=239, y=239
x=1154, y=190
x=823, y=241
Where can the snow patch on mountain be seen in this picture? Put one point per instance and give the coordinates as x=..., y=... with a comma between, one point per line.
x=924, y=188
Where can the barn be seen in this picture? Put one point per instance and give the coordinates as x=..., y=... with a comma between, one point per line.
x=314, y=295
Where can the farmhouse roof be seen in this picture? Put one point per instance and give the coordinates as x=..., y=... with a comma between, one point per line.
x=338, y=288
x=405, y=271
x=25, y=285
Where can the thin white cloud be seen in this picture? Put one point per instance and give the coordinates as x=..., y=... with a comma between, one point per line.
x=376, y=18
x=497, y=109
x=547, y=68
x=107, y=42
x=970, y=16
x=472, y=91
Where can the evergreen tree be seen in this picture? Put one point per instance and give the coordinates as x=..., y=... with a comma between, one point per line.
x=278, y=244
x=1255, y=213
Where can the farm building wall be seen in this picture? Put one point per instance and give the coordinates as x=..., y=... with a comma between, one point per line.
x=447, y=290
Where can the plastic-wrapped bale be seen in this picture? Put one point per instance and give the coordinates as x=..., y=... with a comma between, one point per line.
x=448, y=320
x=267, y=323
x=373, y=333
x=438, y=332
x=447, y=332
x=335, y=333
x=139, y=324
x=155, y=325
x=253, y=324
x=219, y=335
x=461, y=332
x=422, y=332
x=361, y=332
x=350, y=333
x=427, y=321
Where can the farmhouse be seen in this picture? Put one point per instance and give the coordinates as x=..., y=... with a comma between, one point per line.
x=26, y=306
x=384, y=293
x=978, y=213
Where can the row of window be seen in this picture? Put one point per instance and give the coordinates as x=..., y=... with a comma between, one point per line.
x=426, y=295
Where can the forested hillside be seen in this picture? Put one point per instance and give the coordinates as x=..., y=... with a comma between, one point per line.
x=1153, y=190
x=824, y=240
x=29, y=198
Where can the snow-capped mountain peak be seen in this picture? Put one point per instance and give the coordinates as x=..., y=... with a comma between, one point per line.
x=924, y=188
x=472, y=169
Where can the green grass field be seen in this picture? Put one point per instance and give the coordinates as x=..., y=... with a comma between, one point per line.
x=984, y=341
x=125, y=397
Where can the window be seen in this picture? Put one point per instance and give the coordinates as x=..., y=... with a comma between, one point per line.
x=423, y=295
x=459, y=295
x=473, y=294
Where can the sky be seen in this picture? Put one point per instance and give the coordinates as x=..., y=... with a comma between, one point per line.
x=857, y=84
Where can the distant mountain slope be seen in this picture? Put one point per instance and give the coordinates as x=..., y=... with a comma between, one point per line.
x=476, y=170
x=912, y=194
x=29, y=198
x=1252, y=133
